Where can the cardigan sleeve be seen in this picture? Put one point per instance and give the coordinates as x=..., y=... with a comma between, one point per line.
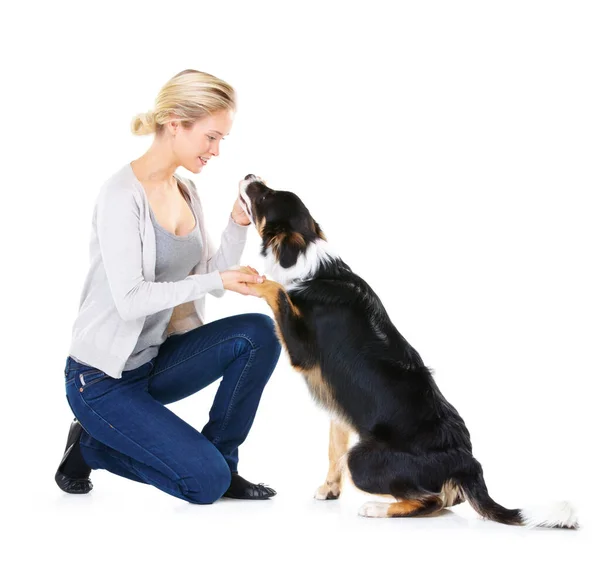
x=232, y=245
x=120, y=241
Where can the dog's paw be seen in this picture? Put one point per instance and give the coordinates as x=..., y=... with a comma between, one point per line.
x=374, y=509
x=328, y=491
x=244, y=269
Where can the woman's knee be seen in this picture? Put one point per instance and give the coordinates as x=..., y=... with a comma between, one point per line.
x=261, y=331
x=208, y=486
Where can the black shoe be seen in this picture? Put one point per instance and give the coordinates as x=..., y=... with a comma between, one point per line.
x=241, y=489
x=73, y=473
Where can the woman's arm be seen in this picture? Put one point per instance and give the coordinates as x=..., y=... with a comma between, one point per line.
x=117, y=226
x=230, y=251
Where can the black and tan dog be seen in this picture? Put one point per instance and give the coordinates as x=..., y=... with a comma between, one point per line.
x=412, y=443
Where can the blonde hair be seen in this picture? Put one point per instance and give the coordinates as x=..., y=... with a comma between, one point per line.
x=188, y=96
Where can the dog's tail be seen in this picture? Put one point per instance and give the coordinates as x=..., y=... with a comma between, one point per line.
x=557, y=515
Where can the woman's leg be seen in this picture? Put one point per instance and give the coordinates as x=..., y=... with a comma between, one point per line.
x=243, y=350
x=131, y=434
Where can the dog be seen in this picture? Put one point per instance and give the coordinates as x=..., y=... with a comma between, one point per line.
x=412, y=443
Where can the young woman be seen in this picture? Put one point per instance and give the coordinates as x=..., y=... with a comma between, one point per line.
x=139, y=341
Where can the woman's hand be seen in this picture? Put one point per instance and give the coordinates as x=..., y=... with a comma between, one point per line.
x=235, y=280
x=238, y=215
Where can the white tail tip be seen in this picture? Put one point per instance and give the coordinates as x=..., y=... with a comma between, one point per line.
x=559, y=514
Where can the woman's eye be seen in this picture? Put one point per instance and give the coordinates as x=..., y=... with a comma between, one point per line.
x=211, y=137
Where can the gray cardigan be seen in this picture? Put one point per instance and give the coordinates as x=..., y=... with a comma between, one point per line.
x=119, y=290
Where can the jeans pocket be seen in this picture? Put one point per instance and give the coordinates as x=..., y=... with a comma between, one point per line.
x=85, y=378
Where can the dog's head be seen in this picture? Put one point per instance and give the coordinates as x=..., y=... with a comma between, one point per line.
x=282, y=220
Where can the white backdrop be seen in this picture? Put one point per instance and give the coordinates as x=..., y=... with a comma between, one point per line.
x=449, y=151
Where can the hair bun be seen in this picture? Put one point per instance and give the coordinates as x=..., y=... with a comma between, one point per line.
x=144, y=123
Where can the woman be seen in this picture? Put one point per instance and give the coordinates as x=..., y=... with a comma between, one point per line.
x=139, y=341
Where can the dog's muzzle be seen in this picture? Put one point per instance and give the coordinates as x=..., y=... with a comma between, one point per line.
x=243, y=197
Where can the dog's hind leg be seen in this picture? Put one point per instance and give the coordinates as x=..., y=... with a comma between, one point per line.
x=380, y=470
x=402, y=508
x=339, y=435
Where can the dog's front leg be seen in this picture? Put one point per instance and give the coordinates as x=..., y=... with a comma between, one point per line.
x=339, y=435
x=290, y=325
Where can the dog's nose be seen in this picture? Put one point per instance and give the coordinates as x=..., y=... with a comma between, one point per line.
x=250, y=176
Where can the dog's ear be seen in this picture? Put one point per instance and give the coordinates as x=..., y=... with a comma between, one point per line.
x=318, y=231
x=289, y=249
x=287, y=246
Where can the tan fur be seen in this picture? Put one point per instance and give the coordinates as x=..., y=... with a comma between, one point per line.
x=323, y=393
x=319, y=388
x=294, y=238
x=270, y=291
x=339, y=435
x=405, y=507
x=319, y=232
x=451, y=494
x=275, y=243
x=297, y=239
x=260, y=226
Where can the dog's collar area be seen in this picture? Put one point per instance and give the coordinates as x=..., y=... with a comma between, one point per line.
x=307, y=265
x=299, y=280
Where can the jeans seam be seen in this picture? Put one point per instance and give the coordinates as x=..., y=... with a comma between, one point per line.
x=242, y=376
x=92, y=410
x=184, y=490
x=237, y=336
x=179, y=481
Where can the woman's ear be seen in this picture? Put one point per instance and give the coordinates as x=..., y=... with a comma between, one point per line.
x=173, y=126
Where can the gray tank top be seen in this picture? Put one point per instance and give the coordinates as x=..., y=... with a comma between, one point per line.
x=176, y=256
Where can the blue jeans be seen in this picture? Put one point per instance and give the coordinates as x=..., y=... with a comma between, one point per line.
x=130, y=432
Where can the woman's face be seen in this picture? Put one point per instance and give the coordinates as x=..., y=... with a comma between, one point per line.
x=194, y=147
